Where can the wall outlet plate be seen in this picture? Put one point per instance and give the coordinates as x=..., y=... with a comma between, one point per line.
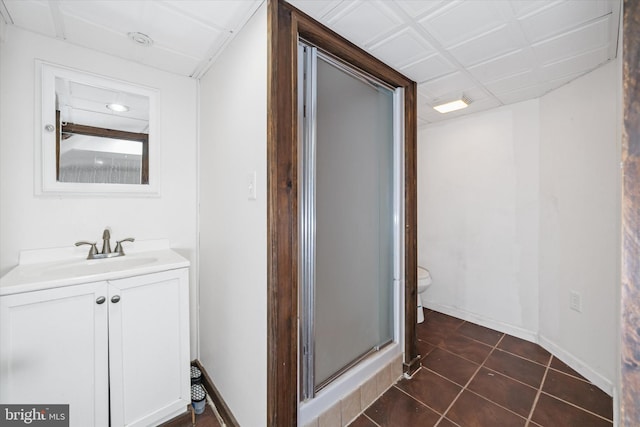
x=575, y=301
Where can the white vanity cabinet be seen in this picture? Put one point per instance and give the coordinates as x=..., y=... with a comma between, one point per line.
x=54, y=350
x=149, y=348
x=115, y=350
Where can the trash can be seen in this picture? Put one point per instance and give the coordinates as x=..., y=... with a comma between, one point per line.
x=198, y=398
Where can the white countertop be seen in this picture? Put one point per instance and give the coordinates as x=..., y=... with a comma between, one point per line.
x=51, y=268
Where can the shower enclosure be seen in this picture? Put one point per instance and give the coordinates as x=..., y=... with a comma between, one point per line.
x=350, y=207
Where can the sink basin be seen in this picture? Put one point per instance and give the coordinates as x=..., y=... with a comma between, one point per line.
x=89, y=267
x=58, y=267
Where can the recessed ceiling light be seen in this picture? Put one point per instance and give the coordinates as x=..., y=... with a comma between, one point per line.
x=454, y=105
x=118, y=108
x=140, y=39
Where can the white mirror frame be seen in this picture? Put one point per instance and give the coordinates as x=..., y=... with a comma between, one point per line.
x=45, y=176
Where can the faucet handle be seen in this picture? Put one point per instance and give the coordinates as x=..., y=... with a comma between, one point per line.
x=92, y=251
x=119, y=244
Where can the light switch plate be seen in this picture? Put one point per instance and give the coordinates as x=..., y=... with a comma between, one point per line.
x=251, y=185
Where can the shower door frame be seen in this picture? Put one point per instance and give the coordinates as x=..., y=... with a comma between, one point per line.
x=286, y=25
x=309, y=56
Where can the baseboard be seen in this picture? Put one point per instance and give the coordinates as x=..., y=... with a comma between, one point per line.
x=577, y=365
x=573, y=362
x=216, y=397
x=506, y=328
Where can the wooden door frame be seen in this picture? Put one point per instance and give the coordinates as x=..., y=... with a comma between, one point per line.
x=285, y=25
x=630, y=295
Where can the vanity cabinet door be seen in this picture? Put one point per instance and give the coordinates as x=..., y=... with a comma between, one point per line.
x=53, y=350
x=149, y=348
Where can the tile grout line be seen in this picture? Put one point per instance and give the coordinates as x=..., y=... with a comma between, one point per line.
x=444, y=413
x=539, y=392
x=578, y=407
x=548, y=368
x=369, y=418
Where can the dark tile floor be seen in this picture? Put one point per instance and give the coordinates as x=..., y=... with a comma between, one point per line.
x=477, y=377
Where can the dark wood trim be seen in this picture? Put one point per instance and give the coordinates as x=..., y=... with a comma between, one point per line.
x=411, y=357
x=285, y=24
x=282, y=220
x=630, y=303
x=71, y=128
x=216, y=397
x=58, y=134
x=104, y=133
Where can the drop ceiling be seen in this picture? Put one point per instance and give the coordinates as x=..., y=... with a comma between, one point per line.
x=495, y=52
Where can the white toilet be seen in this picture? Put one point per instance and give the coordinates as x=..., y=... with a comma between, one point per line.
x=424, y=280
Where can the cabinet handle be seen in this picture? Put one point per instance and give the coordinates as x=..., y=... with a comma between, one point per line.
x=100, y=300
x=115, y=298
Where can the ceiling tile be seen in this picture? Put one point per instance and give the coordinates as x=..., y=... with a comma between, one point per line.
x=494, y=51
x=429, y=68
x=461, y=21
x=221, y=14
x=315, y=8
x=362, y=21
x=590, y=37
x=169, y=29
x=86, y=34
x=402, y=48
x=511, y=83
x=447, y=85
x=561, y=17
x=586, y=61
x=503, y=66
x=32, y=15
x=519, y=94
x=522, y=8
x=417, y=8
x=502, y=40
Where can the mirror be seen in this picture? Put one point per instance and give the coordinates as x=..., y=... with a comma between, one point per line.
x=97, y=134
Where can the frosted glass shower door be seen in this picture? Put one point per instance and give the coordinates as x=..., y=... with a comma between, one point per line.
x=352, y=176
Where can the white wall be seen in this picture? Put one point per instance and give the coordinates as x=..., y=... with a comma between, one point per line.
x=520, y=205
x=29, y=222
x=233, y=229
x=579, y=220
x=478, y=216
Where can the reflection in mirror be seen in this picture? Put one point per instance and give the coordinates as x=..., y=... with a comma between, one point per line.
x=97, y=135
x=101, y=135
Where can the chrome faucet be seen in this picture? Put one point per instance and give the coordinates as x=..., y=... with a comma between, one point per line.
x=106, y=246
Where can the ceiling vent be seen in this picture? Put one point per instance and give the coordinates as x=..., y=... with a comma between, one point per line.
x=140, y=39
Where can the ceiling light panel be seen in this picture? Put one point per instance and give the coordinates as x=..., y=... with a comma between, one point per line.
x=451, y=106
